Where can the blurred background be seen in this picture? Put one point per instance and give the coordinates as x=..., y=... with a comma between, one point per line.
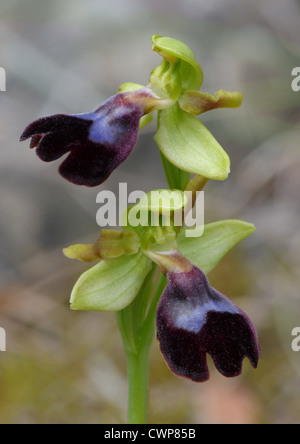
x=68, y=56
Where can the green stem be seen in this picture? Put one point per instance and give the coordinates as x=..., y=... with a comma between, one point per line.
x=138, y=363
x=149, y=324
x=138, y=386
x=137, y=328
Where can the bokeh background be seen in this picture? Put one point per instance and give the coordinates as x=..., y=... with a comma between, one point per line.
x=68, y=56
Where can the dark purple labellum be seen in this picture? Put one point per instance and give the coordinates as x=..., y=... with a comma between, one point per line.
x=98, y=142
x=194, y=319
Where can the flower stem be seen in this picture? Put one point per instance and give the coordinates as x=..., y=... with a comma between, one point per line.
x=138, y=386
x=137, y=327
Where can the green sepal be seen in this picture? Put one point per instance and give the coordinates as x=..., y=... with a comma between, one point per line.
x=196, y=102
x=218, y=238
x=181, y=67
x=189, y=145
x=128, y=87
x=111, y=285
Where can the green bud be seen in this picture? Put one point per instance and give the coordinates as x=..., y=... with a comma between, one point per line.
x=179, y=71
x=152, y=218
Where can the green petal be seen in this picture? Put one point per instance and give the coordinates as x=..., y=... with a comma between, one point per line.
x=218, y=238
x=189, y=145
x=171, y=50
x=82, y=252
x=196, y=102
x=110, y=244
x=110, y=285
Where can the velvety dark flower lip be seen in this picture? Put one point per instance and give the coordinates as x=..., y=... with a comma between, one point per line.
x=194, y=319
x=97, y=142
